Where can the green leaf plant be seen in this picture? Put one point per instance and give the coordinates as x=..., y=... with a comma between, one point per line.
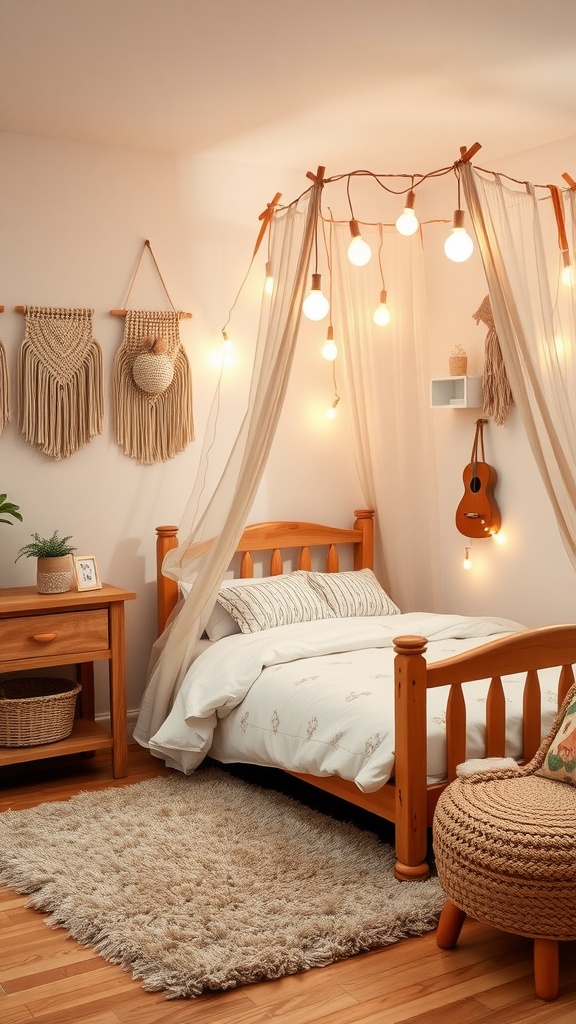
x=8, y=508
x=46, y=547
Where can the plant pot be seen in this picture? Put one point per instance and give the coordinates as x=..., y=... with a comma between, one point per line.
x=54, y=575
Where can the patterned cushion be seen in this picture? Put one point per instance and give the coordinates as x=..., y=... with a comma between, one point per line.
x=276, y=601
x=560, y=762
x=352, y=593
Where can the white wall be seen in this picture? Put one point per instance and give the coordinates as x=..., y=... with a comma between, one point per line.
x=74, y=218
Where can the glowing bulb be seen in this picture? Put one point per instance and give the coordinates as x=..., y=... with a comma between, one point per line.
x=315, y=305
x=330, y=349
x=408, y=223
x=499, y=538
x=467, y=563
x=567, y=273
x=381, y=314
x=359, y=252
x=458, y=246
x=332, y=412
x=269, y=282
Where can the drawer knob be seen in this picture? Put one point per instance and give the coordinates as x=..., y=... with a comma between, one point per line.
x=44, y=638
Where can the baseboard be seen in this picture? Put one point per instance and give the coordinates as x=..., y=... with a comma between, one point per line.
x=131, y=719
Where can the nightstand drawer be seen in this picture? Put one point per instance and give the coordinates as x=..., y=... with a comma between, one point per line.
x=31, y=636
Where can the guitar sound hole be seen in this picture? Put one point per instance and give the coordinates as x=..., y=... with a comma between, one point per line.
x=475, y=485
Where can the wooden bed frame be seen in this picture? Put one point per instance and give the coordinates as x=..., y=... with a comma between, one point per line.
x=407, y=800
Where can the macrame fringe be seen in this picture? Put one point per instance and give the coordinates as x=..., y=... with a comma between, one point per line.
x=4, y=410
x=61, y=395
x=152, y=427
x=496, y=390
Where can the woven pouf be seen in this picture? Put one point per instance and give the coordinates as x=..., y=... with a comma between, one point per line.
x=506, y=853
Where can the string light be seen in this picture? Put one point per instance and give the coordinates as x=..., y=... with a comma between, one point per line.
x=408, y=223
x=467, y=563
x=332, y=412
x=329, y=348
x=359, y=252
x=269, y=280
x=381, y=315
x=458, y=246
x=499, y=538
x=315, y=305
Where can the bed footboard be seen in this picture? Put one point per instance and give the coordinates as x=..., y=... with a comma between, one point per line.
x=522, y=654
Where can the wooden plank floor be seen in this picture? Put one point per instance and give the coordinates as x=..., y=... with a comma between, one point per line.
x=47, y=977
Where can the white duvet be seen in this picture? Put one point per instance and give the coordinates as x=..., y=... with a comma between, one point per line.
x=318, y=697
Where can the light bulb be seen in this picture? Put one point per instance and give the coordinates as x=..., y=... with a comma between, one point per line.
x=467, y=563
x=567, y=274
x=332, y=412
x=381, y=314
x=458, y=246
x=359, y=252
x=330, y=349
x=408, y=223
x=499, y=538
x=315, y=305
x=269, y=282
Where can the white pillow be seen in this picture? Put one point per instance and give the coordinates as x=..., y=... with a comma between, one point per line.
x=220, y=623
x=275, y=601
x=352, y=593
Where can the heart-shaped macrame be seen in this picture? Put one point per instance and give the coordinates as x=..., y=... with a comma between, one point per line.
x=153, y=369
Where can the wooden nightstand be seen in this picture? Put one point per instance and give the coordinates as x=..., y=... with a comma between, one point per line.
x=76, y=628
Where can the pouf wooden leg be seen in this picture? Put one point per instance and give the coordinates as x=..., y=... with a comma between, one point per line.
x=449, y=925
x=546, y=968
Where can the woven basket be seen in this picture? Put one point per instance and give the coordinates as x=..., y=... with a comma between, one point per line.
x=36, y=710
x=458, y=366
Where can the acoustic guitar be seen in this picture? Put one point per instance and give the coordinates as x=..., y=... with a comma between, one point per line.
x=478, y=514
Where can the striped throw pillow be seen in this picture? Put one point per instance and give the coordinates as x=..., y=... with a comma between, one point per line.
x=352, y=593
x=276, y=601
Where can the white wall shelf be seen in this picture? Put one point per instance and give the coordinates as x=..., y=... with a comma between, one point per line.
x=456, y=393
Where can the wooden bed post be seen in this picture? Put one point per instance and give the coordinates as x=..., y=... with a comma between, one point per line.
x=410, y=757
x=364, y=552
x=167, y=590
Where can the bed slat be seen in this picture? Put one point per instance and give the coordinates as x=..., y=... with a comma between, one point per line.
x=565, y=682
x=455, y=729
x=531, y=715
x=495, y=719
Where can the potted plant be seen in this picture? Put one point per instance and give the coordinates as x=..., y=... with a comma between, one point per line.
x=8, y=508
x=54, y=569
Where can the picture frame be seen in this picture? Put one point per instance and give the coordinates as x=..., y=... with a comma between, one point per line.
x=86, y=573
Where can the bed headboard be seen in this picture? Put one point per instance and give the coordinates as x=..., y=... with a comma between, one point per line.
x=276, y=538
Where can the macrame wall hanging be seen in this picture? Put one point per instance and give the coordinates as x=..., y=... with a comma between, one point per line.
x=4, y=410
x=497, y=394
x=61, y=394
x=152, y=383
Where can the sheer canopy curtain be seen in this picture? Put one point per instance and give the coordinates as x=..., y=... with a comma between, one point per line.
x=212, y=526
x=533, y=310
x=387, y=388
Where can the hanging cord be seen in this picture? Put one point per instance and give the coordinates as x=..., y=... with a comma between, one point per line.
x=149, y=247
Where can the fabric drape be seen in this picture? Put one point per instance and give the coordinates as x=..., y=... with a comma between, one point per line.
x=534, y=316
x=387, y=386
x=210, y=533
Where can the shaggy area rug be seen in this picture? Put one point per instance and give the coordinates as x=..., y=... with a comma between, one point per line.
x=205, y=882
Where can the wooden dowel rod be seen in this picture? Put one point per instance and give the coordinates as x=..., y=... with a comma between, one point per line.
x=1, y=309
x=123, y=312
x=20, y=309
x=568, y=178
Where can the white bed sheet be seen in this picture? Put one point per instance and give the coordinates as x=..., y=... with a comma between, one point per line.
x=318, y=697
